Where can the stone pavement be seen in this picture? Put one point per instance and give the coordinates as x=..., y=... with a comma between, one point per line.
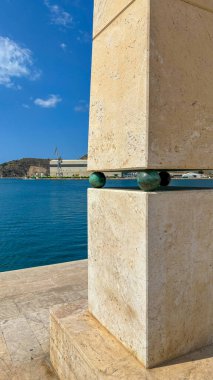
x=25, y=298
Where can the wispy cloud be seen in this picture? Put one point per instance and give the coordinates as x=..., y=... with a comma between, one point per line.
x=58, y=15
x=50, y=102
x=15, y=62
x=84, y=36
x=26, y=106
x=82, y=106
x=63, y=46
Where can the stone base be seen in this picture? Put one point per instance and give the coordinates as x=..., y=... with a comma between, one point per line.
x=81, y=349
x=150, y=269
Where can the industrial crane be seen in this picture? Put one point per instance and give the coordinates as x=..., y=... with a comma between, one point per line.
x=59, y=162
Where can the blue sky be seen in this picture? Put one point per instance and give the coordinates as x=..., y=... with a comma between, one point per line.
x=45, y=59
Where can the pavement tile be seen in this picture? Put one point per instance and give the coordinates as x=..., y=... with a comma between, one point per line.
x=39, y=369
x=8, y=309
x=20, y=340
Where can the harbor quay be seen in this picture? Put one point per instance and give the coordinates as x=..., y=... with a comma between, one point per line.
x=27, y=295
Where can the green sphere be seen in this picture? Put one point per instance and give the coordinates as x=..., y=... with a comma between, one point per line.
x=97, y=180
x=165, y=178
x=148, y=180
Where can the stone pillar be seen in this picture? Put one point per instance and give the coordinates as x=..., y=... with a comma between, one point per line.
x=150, y=254
x=152, y=85
x=150, y=269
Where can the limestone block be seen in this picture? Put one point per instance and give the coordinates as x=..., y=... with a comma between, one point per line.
x=204, y=4
x=80, y=348
x=150, y=269
x=105, y=11
x=152, y=88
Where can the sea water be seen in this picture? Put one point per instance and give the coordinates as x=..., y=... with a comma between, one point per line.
x=44, y=222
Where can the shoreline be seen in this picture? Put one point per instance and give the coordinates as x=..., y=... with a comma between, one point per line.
x=64, y=179
x=87, y=179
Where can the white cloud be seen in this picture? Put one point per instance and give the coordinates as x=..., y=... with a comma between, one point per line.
x=15, y=62
x=50, y=102
x=82, y=106
x=84, y=36
x=58, y=15
x=26, y=106
x=63, y=46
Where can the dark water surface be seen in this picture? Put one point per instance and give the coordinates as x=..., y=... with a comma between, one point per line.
x=45, y=222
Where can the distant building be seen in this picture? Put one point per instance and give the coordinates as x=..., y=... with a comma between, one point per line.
x=129, y=175
x=192, y=175
x=75, y=168
x=69, y=168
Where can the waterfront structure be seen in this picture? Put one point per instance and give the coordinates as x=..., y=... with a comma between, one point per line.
x=69, y=168
x=192, y=175
x=150, y=252
x=75, y=169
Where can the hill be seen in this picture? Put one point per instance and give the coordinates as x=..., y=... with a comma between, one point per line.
x=25, y=167
x=84, y=157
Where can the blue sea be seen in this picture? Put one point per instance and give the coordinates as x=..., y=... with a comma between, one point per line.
x=44, y=222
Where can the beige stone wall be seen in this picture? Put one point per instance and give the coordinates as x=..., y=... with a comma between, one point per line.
x=117, y=281
x=152, y=85
x=150, y=269
x=181, y=86
x=118, y=94
x=204, y=4
x=105, y=11
x=150, y=254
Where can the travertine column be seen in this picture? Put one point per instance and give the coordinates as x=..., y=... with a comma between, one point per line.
x=152, y=85
x=150, y=269
x=150, y=254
